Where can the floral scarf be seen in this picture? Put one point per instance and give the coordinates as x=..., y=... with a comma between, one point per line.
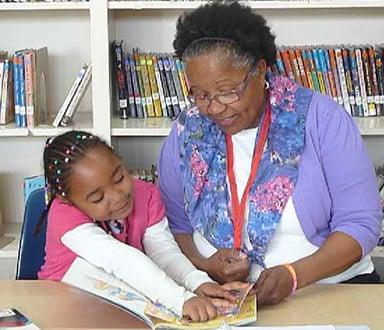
x=203, y=167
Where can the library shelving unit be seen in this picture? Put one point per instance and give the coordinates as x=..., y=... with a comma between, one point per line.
x=78, y=32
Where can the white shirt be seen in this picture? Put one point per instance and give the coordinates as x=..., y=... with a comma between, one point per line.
x=288, y=243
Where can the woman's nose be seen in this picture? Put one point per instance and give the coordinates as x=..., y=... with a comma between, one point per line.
x=215, y=107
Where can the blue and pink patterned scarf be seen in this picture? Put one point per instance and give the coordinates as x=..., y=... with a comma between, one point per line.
x=203, y=166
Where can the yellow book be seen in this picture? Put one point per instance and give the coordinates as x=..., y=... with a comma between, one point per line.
x=153, y=84
x=147, y=86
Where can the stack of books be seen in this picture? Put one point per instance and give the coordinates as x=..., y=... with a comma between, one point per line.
x=23, y=87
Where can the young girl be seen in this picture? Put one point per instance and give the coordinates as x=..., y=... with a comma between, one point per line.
x=99, y=213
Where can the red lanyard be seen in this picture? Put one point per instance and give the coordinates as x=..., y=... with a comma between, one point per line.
x=239, y=208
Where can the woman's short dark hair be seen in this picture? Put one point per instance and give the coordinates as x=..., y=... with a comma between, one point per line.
x=228, y=26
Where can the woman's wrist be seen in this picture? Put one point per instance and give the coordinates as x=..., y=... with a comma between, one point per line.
x=293, y=274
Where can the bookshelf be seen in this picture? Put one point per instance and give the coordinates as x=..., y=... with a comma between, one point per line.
x=78, y=32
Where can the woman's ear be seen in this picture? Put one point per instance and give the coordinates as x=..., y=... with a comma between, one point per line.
x=261, y=68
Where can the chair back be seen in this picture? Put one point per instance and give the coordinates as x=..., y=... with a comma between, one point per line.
x=32, y=248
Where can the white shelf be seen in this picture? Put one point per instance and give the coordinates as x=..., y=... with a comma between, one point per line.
x=11, y=130
x=44, y=6
x=141, y=126
x=12, y=230
x=277, y=4
x=370, y=126
x=82, y=121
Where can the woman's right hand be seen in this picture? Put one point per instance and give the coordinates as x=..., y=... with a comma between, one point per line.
x=227, y=265
x=199, y=309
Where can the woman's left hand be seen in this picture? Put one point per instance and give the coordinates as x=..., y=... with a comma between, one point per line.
x=273, y=285
x=214, y=290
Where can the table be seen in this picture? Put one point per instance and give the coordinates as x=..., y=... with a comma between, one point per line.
x=58, y=305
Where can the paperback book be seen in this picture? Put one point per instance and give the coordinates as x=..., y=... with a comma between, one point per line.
x=94, y=280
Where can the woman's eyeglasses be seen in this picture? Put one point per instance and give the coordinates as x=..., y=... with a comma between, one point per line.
x=224, y=98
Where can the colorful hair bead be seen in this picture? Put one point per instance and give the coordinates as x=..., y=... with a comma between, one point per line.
x=67, y=152
x=58, y=171
x=66, y=159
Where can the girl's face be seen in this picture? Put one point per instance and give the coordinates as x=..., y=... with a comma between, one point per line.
x=100, y=186
x=209, y=76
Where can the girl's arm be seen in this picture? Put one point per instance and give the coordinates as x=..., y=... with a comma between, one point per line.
x=91, y=243
x=161, y=247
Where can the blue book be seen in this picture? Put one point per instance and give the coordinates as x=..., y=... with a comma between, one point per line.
x=16, y=92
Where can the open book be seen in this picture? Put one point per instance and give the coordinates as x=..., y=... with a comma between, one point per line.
x=94, y=280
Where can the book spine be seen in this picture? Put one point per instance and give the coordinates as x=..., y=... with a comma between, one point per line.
x=318, y=71
x=355, y=83
x=120, y=80
x=77, y=97
x=363, y=89
x=16, y=90
x=348, y=80
x=343, y=83
x=331, y=79
x=368, y=82
x=287, y=64
x=332, y=63
x=23, y=119
x=29, y=97
x=380, y=77
x=4, y=94
x=295, y=66
x=176, y=82
x=139, y=76
x=300, y=63
x=375, y=84
x=279, y=64
x=172, y=91
x=324, y=71
x=154, y=88
x=183, y=83
x=69, y=97
x=136, y=90
x=159, y=86
x=312, y=70
x=167, y=96
x=147, y=86
x=131, y=96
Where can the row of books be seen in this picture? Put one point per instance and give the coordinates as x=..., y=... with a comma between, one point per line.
x=148, y=85
x=23, y=87
x=352, y=76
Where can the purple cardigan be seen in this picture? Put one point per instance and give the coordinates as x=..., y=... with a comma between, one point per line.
x=336, y=188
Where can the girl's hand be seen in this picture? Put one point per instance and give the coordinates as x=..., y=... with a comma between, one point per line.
x=199, y=309
x=227, y=265
x=214, y=290
x=273, y=285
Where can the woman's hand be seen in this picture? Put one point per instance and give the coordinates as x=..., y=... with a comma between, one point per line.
x=214, y=290
x=227, y=265
x=199, y=309
x=273, y=285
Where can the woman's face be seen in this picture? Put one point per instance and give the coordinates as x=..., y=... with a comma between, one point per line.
x=209, y=76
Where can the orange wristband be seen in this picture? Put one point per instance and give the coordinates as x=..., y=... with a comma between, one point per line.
x=294, y=276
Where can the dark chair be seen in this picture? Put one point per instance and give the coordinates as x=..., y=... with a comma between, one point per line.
x=31, y=249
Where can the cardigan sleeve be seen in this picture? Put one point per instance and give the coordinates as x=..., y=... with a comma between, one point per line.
x=349, y=175
x=170, y=185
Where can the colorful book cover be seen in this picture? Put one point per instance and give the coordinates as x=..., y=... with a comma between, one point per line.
x=368, y=82
x=312, y=70
x=348, y=80
x=331, y=79
x=380, y=76
x=172, y=91
x=167, y=95
x=319, y=72
x=176, y=82
x=11, y=318
x=324, y=71
x=343, y=83
x=140, y=83
x=279, y=64
x=94, y=280
x=333, y=65
x=375, y=83
x=300, y=63
x=295, y=66
x=287, y=64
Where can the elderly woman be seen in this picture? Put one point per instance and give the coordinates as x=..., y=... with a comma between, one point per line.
x=262, y=178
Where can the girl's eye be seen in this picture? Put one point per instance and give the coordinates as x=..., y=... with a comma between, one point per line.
x=119, y=179
x=98, y=200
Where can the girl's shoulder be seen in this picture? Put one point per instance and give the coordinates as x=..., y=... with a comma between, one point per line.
x=63, y=217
